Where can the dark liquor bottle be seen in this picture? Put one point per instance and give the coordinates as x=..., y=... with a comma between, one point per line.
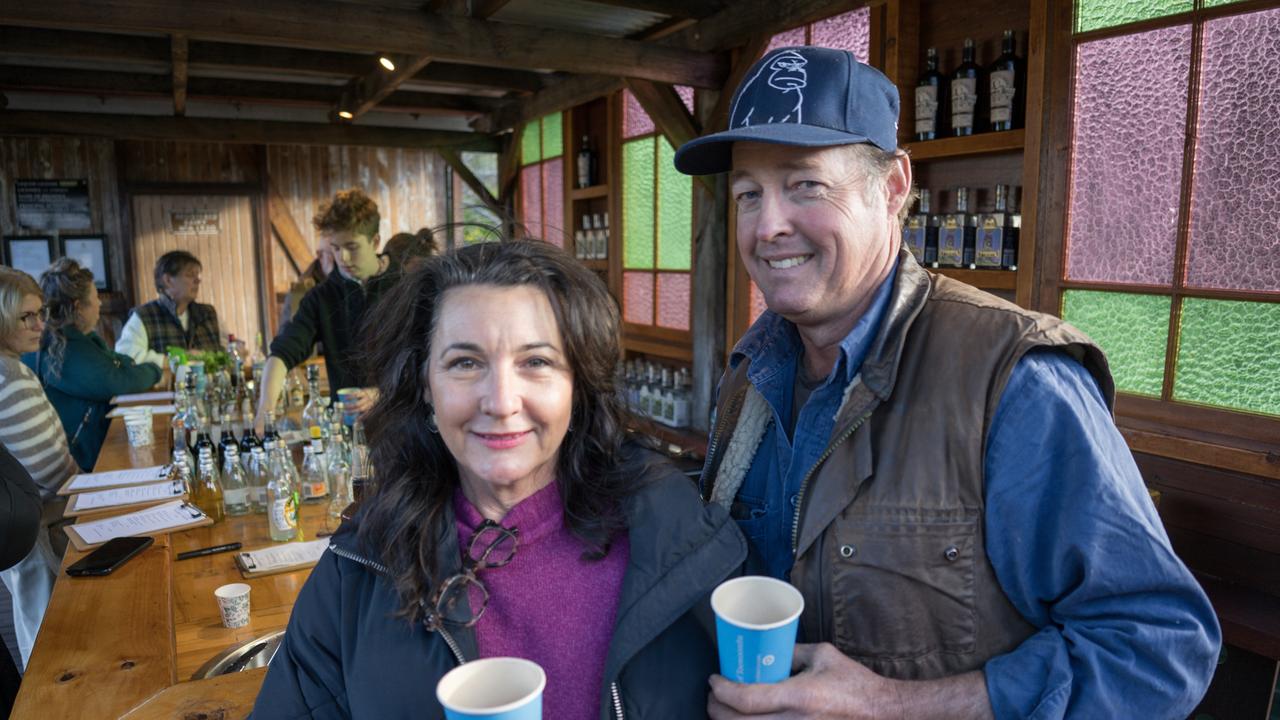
x=1008, y=83
x=228, y=440
x=966, y=93
x=991, y=233
x=1012, y=232
x=931, y=99
x=586, y=164
x=957, y=233
x=920, y=235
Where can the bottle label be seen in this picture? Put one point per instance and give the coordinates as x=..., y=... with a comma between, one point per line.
x=926, y=109
x=951, y=244
x=990, y=243
x=1002, y=92
x=314, y=490
x=913, y=237
x=964, y=99
x=235, y=497
x=284, y=514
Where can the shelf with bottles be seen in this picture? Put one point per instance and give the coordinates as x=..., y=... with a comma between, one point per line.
x=976, y=247
x=591, y=237
x=588, y=130
x=589, y=193
x=983, y=93
x=659, y=397
x=1006, y=141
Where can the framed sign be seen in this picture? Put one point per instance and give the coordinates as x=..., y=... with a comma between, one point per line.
x=91, y=252
x=61, y=204
x=31, y=255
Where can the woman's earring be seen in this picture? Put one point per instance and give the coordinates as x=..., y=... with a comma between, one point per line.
x=431, y=421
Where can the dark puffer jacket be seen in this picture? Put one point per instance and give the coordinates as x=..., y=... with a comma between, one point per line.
x=345, y=655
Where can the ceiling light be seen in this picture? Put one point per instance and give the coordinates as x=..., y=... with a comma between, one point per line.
x=386, y=62
x=345, y=114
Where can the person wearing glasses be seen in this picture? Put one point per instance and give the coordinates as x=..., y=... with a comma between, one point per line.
x=79, y=372
x=507, y=518
x=30, y=431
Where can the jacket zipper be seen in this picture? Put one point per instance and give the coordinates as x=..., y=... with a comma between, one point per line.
x=804, y=484
x=617, y=700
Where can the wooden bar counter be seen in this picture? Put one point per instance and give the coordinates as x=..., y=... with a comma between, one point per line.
x=127, y=644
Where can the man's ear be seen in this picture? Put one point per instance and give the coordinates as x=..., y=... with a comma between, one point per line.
x=897, y=185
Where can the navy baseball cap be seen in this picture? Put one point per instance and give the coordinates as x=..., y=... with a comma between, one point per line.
x=806, y=96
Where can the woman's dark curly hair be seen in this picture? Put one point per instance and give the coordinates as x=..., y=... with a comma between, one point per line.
x=64, y=285
x=406, y=513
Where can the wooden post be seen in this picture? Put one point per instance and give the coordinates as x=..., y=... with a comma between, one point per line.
x=711, y=210
x=178, y=44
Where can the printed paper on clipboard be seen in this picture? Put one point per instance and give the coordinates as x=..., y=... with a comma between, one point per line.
x=281, y=558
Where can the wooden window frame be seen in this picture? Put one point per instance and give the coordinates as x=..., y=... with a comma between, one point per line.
x=1218, y=437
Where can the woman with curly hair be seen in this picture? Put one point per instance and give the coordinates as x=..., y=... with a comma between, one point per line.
x=80, y=373
x=507, y=516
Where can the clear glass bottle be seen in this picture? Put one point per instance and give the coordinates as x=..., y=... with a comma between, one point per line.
x=361, y=469
x=257, y=477
x=282, y=500
x=339, y=490
x=235, y=484
x=313, y=413
x=207, y=488
x=315, y=469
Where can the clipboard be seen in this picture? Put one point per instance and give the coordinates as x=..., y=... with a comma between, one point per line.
x=73, y=508
x=196, y=516
x=144, y=477
x=249, y=570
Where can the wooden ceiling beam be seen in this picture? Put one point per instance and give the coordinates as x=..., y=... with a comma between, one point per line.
x=454, y=160
x=178, y=47
x=264, y=132
x=744, y=58
x=364, y=93
x=571, y=91
x=734, y=25
x=674, y=8
x=333, y=25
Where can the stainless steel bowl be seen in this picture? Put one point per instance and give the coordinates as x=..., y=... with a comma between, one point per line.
x=247, y=655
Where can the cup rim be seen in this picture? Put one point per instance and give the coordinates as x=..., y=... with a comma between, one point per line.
x=471, y=666
x=231, y=591
x=791, y=589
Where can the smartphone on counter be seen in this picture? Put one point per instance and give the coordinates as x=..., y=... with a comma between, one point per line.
x=111, y=555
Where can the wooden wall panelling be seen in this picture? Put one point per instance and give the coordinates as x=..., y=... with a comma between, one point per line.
x=190, y=162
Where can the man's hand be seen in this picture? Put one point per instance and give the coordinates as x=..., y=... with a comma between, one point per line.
x=830, y=686
x=826, y=684
x=361, y=400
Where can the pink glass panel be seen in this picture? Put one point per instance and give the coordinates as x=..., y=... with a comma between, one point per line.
x=553, y=230
x=794, y=36
x=531, y=200
x=635, y=121
x=1235, y=202
x=637, y=297
x=686, y=96
x=674, y=298
x=1126, y=164
x=849, y=31
x=757, y=302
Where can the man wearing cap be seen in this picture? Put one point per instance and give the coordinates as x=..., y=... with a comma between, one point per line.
x=935, y=469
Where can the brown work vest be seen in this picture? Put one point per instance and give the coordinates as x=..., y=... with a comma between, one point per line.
x=890, y=534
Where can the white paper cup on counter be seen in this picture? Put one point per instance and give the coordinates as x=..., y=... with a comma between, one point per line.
x=501, y=688
x=233, y=603
x=138, y=426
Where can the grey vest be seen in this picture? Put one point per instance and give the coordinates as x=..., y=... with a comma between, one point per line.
x=889, y=534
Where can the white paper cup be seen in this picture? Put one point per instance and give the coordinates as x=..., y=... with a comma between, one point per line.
x=502, y=688
x=138, y=427
x=756, y=622
x=233, y=603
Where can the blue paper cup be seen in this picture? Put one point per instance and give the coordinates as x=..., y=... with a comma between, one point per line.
x=347, y=396
x=501, y=688
x=756, y=621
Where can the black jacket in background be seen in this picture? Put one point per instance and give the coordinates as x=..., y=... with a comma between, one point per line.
x=332, y=313
x=19, y=510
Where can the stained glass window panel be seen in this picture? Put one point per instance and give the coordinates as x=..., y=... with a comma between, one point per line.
x=552, y=136
x=637, y=204
x=675, y=212
x=1131, y=329
x=553, y=201
x=686, y=96
x=637, y=297
x=1097, y=14
x=674, y=300
x=848, y=31
x=794, y=36
x=531, y=143
x=1235, y=205
x=531, y=200
x=1127, y=139
x=1216, y=3
x=635, y=121
x=1229, y=355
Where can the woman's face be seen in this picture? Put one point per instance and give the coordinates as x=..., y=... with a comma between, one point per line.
x=88, y=311
x=30, y=325
x=502, y=388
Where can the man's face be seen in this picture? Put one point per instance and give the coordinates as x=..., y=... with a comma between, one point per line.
x=355, y=254
x=185, y=286
x=811, y=236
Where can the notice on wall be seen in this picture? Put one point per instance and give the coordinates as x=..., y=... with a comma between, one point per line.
x=53, y=204
x=193, y=222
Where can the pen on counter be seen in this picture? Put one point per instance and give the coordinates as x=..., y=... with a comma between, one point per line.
x=208, y=551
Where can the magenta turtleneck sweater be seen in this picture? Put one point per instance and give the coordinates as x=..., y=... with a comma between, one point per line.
x=549, y=605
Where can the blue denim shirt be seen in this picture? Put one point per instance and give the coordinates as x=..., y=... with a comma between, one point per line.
x=1071, y=533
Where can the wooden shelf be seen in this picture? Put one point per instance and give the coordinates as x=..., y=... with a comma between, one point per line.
x=981, y=144
x=595, y=264
x=689, y=441
x=984, y=279
x=595, y=191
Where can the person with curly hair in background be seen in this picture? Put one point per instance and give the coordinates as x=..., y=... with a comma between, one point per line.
x=79, y=372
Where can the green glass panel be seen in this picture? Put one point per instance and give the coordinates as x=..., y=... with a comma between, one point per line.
x=1132, y=330
x=1216, y=3
x=1229, y=355
x=1096, y=14
x=675, y=212
x=552, y=136
x=530, y=143
x=637, y=204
